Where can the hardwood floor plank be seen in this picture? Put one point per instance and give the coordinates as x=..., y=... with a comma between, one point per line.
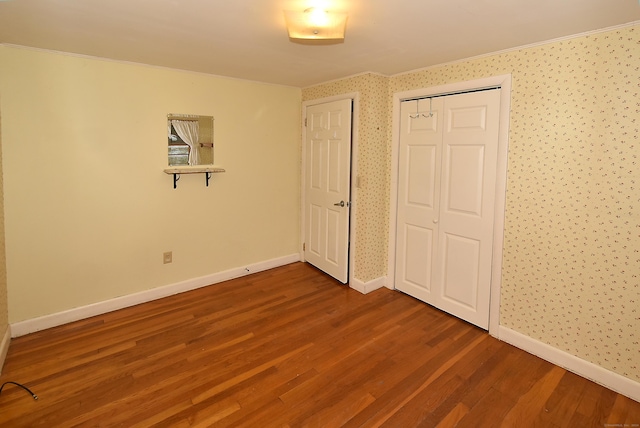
x=422, y=405
x=530, y=405
x=211, y=392
x=485, y=355
x=334, y=414
x=156, y=417
x=564, y=400
x=594, y=406
x=625, y=412
x=451, y=419
x=402, y=389
x=291, y=347
x=442, y=368
x=488, y=412
x=522, y=374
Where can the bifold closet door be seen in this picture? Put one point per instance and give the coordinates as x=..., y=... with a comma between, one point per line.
x=446, y=197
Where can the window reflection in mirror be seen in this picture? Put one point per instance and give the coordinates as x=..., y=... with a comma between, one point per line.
x=190, y=139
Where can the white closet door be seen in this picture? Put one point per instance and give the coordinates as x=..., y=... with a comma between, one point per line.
x=444, y=257
x=418, y=196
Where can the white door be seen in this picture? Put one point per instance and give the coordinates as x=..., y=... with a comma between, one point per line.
x=327, y=187
x=418, y=196
x=446, y=198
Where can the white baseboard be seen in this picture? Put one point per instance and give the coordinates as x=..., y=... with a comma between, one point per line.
x=369, y=286
x=586, y=369
x=4, y=346
x=41, y=323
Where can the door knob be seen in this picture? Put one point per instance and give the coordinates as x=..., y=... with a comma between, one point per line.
x=339, y=204
x=435, y=220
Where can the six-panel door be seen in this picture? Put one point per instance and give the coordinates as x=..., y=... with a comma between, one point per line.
x=327, y=187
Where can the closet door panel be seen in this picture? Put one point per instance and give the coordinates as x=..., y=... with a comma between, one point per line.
x=421, y=167
x=460, y=271
x=418, y=197
x=465, y=241
x=417, y=265
x=465, y=172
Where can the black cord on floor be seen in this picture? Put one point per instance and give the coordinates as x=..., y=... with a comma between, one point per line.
x=35, y=397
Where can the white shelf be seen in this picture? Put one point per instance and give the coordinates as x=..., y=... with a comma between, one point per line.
x=200, y=169
x=184, y=169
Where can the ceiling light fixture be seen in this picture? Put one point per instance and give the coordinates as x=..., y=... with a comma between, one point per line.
x=315, y=24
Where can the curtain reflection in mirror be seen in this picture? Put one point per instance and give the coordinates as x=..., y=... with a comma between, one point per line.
x=188, y=131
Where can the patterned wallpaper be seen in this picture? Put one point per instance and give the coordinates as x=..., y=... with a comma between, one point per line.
x=571, y=264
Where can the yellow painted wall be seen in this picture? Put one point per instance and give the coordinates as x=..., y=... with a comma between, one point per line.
x=88, y=208
x=4, y=304
x=571, y=264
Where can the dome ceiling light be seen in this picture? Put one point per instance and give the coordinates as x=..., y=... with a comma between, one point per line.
x=315, y=24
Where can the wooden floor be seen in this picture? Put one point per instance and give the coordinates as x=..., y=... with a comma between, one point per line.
x=291, y=347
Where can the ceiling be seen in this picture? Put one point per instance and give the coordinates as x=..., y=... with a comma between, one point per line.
x=247, y=39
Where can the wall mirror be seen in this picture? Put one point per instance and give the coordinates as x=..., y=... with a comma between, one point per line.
x=190, y=139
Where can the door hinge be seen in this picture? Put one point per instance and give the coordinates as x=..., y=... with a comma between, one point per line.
x=304, y=246
x=305, y=121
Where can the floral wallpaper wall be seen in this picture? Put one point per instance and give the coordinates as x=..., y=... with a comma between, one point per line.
x=372, y=197
x=571, y=263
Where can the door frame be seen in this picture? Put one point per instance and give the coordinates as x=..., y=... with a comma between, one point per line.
x=504, y=82
x=354, y=97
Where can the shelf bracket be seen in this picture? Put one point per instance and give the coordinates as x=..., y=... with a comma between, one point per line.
x=176, y=177
x=207, y=176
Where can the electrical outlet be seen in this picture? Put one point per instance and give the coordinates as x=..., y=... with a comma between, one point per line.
x=167, y=257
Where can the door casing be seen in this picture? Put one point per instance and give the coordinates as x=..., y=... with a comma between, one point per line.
x=354, y=96
x=504, y=82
